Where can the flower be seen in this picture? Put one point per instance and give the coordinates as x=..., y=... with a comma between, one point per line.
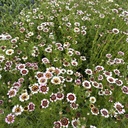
x=57, y=124
x=74, y=123
x=56, y=80
x=2, y=58
x=88, y=71
x=95, y=111
x=9, y=51
x=24, y=71
x=74, y=106
x=43, y=89
x=31, y=106
x=71, y=97
x=44, y=103
x=59, y=96
x=17, y=110
x=10, y=118
x=110, y=79
x=53, y=97
x=86, y=84
x=92, y=99
x=34, y=88
x=125, y=89
x=12, y=92
x=65, y=122
x=119, y=107
x=115, y=30
x=104, y=112
x=118, y=82
x=24, y=97
x=42, y=80
x=48, y=75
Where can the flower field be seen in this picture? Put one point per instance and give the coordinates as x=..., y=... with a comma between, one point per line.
x=64, y=64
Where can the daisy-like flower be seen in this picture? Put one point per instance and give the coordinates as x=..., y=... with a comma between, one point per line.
x=39, y=74
x=92, y=99
x=94, y=111
x=74, y=123
x=10, y=118
x=44, y=103
x=107, y=73
x=119, y=107
x=50, y=69
x=2, y=58
x=107, y=92
x=24, y=97
x=115, y=30
x=74, y=63
x=60, y=96
x=108, y=56
x=34, y=88
x=76, y=29
x=42, y=80
x=17, y=110
x=12, y=92
x=92, y=126
x=65, y=122
x=100, y=77
x=43, y=89
x=56, y=80
x=99, y=68
x=88, y=71
x=53, y=97
x=116, y=71
x=48, y=75
x=86, y=84
x=45, y=61
x=118, y=82
x=71, y=97
x=31, y=106
x=57, y=71
x=104, y=112
x=24, y=71
x=21, y=66
x=110, y=79
x=74, y=106
x=57, y=124
x=83, y=58
x=9, y=52
x=125, y=89
x=69, y=72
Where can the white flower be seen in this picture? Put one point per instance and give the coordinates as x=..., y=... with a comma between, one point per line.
x=56, y=80
x=24, y=97
x=9, y=52
x=17, y=110
x=92, y=99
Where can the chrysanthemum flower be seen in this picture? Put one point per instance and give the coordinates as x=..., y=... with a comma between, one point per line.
x=43, y=89
x=17, y=110
x=24, y=71
x=42, y=80
x=10, y=118
x=86, y=84
x=59, y=95
x=65, y=122
x=92, y=99
x=88, y=71
x=56, y=80
x=48, y=75
x=44, y=103
x=57, y=124
x=125, y=89
x=104, y=112
x=74, y=123
x=118, y=82
x=71, y=97
x=74, y=106
x=34, y=88
x=119, y=107
x=24, y=97
x=31, y=106
x=12, y=92
x=9, y=52
x=2, y=58
x=94, y=111
x=53, y=97
x=110, y=79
